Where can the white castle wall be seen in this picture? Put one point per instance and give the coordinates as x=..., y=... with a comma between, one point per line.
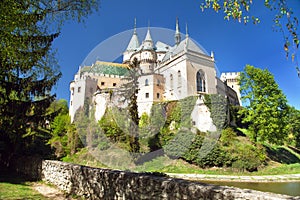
x=201, y=117
x=101, y=101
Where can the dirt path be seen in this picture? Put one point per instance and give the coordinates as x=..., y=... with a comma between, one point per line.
x=49, y=192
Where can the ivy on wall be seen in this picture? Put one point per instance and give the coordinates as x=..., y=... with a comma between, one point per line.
x=218, y=107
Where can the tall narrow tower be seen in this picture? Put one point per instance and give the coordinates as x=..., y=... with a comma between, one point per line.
x=177, y=32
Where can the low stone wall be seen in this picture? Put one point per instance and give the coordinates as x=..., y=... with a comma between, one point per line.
x=94, y=183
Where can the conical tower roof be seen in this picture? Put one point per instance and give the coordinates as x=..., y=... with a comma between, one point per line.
x=148, y=36
x=148, y=42
x=134, y=41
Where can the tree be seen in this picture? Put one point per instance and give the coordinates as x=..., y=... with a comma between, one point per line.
x=28, y=69
x=129, y=92
x=285, y=20
x=63, y=135
x=266, y=105
x=294, y=126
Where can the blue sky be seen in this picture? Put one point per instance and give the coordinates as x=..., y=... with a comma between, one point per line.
x=234, y=44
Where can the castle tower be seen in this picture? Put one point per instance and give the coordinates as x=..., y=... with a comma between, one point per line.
x=231, y=79
x=133, y=45
x=148, y=55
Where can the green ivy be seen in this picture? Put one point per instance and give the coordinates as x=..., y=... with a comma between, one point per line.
x=218, y=107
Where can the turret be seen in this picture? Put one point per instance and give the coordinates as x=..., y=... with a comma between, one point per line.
x=133, y=45
x=148, y=42
x=148, y=55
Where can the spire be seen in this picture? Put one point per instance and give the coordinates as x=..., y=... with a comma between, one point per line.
x=134, y=41
x=186, y=31
x=134, y=29
x=177, y=32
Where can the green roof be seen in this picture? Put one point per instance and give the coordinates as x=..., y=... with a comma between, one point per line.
x=106, y=68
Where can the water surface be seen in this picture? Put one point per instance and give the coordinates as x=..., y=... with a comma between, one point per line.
x=289, y=188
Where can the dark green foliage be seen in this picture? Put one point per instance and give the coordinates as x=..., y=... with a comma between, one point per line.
x=204, y=151
x=236, y=119
x=187, y=106
x=230, y=151
x=180, y=144
x=193, y=153
x=174, y=118
x=218, y=107
x=28, y=69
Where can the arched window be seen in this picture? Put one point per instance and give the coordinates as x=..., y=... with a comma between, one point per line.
x=146, y=82
x=179, y=78
x=171, y=81
x=201, y=83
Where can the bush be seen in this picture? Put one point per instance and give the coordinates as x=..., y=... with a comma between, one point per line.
x=204, y=151
x=228, y=137
x=179, y=145
x=249, y=158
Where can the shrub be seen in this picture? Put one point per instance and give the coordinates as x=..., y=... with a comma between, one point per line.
x=180, y=144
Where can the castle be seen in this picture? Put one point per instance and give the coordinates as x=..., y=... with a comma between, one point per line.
x=166, y=73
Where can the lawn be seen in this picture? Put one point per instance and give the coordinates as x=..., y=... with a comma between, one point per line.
x=13, y=187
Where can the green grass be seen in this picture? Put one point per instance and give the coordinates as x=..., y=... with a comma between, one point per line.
x=14, y=191
x=83, y=157
x=285, y=161
x=280, y=169
x=182, y=167
x=13, y=187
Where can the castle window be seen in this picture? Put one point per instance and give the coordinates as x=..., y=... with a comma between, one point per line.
x=102, y=83
x=157, y=95
x=171, y=81
x=79, y=89
x=179, y=78
x=114, y=84
x=158, y=82
x=147, y=95
x=201, y=83
x=146, y=82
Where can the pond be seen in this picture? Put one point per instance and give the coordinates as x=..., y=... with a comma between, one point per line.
x=288, y=188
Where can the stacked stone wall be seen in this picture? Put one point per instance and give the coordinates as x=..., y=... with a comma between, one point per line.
x=96, y=183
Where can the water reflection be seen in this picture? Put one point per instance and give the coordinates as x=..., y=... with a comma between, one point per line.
x=289, y=188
